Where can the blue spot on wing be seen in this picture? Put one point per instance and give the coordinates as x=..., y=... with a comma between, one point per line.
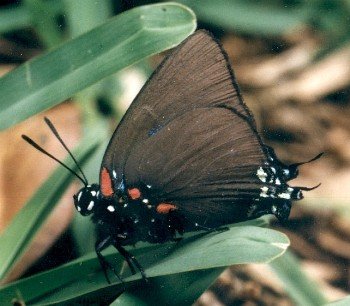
x=154, y=130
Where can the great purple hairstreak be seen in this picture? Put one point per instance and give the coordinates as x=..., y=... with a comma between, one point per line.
x=186, y=156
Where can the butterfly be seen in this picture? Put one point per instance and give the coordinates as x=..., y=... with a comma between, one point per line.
x=186, y=156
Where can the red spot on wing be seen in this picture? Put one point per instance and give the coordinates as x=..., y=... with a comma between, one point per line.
x=134, y=193
x=106, y=183
x=165, y=208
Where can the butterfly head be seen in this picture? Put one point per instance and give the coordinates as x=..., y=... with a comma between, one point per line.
x=86, y=199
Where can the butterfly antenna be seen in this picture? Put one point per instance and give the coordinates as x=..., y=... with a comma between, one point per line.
x=308, y=188
x=36, y=146
x=309, y=161
x=55, y=132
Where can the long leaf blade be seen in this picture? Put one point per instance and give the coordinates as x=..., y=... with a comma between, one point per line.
x=129, y=37
x=301, y=289
x=248, y=16
x=195, y=253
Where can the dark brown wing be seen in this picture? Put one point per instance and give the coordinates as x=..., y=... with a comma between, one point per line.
x=205, y=161
x=197, y=74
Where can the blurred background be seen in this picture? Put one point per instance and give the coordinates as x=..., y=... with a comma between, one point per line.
x=292, y=62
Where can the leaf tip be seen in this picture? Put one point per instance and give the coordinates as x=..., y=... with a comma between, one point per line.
x=281, y=245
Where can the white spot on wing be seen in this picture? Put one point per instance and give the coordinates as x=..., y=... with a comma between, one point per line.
x=79, y=195
x=261, y=174
x=111, y=208
x=145, y=201
x=93, y=193
x=264, y=191
x=278, y=182
x=78, y=208
x=284, y=195
x=114, y=174
x=91, y=205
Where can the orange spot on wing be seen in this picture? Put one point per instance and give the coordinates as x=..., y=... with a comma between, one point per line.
x=106, y=183
x=134, y=193
x=165, y=208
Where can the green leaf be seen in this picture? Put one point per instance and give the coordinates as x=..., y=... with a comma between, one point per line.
x=17, y=236
x=18, y=17
x=178, y=289
x=300, y=288
x=43, y=19
x=83, y=15
x=13, y=18
x=83, y=277
x=128, y=299
x=257, y=18
x=129, y=37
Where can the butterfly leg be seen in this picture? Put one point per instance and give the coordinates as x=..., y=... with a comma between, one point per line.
x=99, y=247
x=222, y=229
x=127, y=256
x=211, y=230
x=130, y=259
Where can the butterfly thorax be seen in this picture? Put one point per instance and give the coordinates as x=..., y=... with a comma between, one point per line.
x=129, y=217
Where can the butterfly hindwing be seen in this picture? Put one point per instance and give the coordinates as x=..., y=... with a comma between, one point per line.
x=204, y=161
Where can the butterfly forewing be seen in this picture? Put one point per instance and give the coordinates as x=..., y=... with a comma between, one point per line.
x=196, y=75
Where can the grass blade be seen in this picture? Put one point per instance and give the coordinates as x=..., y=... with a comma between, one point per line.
x=300, y=288
x=43, y=19
x=83, y=15
x=15, y=17
x=257, y=18
x=178, y=289
x=127, y=38
x=83, y=277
